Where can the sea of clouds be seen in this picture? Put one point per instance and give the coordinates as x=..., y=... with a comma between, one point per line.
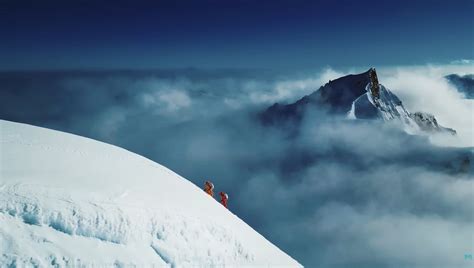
x=340, y=193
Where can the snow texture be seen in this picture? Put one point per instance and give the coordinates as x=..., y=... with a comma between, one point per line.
x=68, y=201
x=388, y=107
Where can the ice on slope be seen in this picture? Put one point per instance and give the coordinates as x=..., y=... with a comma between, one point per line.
x=71, y=201
x=386, y=106
x=351, y=113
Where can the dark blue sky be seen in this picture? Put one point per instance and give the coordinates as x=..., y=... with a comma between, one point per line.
x=232, y=34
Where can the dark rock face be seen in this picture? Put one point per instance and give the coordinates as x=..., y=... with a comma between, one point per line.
x=374, y=83
x=464, y=84
x=336, y=96
x=370, y=111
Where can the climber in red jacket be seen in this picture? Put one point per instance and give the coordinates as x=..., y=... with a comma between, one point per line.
x=224, y=198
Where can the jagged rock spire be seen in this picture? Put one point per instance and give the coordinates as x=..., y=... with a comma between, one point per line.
x=374, y=83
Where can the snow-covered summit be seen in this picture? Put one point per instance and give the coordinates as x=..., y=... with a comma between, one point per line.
x=359, y=96
x=71, y=201
x=380, y=102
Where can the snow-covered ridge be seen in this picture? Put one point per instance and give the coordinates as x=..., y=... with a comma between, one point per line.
x=385, y=106
x=356, y=96
x=380, y=102
x=71, y=201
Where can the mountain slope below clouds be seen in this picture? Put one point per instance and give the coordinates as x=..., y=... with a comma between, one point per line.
x=464, y=84
x=71, y=201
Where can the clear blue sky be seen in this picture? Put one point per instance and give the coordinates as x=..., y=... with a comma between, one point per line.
x=235, y=34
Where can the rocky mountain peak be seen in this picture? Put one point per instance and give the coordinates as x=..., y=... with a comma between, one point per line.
x=374, y=83
x=359, y=96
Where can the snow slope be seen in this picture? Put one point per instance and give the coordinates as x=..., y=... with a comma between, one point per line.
x=66, y=200
x=388, y=107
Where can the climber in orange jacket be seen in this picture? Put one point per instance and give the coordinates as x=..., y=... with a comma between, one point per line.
x=224, y=198
x=208, y=188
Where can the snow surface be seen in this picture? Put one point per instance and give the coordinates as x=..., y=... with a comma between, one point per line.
x=351, y=113
x=387, y=107
x=66, y=200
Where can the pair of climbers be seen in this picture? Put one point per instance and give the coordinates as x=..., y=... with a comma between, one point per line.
x=209, y=189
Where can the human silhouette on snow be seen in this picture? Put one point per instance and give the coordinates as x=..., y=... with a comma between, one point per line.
x=224, y=198
x=208, y=188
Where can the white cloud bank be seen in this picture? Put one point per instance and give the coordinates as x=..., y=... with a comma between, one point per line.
x=423, y=88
